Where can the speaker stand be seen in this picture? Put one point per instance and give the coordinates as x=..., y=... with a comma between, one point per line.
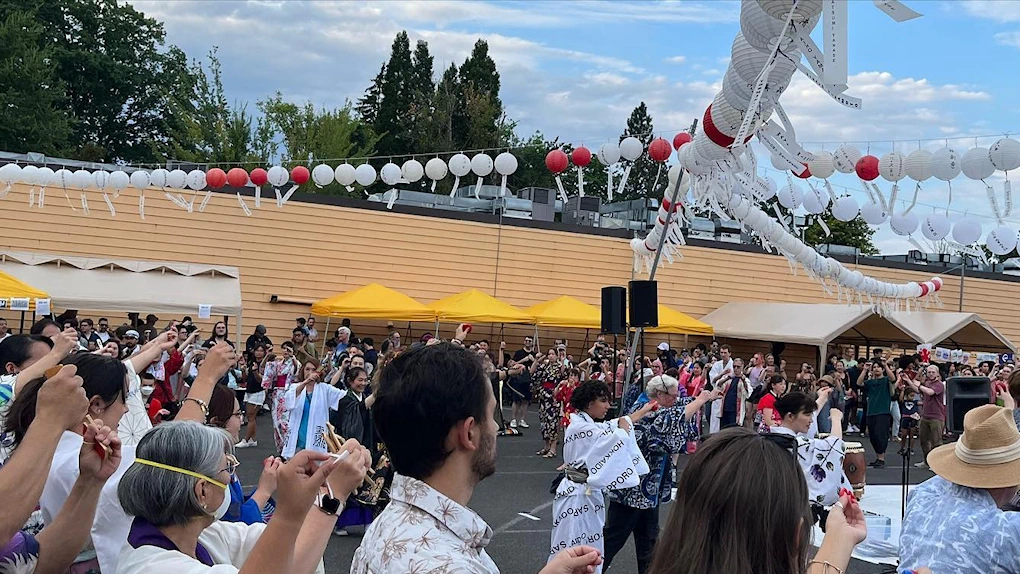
x=905, y=481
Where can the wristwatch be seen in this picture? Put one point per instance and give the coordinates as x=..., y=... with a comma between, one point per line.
x=327, y=504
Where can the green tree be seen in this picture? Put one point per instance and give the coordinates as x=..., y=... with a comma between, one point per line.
x=368, y=104
x=438, y=128
x=32, y=113
x=478, y=117
x=393, y=121
x=303, y=134
x=118, y=76
x=643, y=170
x=422, y=89
x=854, y=233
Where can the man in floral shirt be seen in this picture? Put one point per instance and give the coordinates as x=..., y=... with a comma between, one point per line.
x=434, y=410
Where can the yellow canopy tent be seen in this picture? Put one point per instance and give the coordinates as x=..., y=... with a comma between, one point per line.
x=473, y=306
x=13, y=288
x=566, y=312
x=373, y=301
x=677, y=323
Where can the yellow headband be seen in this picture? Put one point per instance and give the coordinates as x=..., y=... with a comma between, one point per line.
x=180, y=470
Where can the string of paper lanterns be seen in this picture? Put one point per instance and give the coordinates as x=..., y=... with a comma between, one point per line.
x=175, y=183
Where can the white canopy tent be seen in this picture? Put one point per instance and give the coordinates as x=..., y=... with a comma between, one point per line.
x=967, y=331
x=107, y=284
x=816, y=325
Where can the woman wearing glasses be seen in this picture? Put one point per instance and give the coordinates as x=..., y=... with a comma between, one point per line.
x=177, y=490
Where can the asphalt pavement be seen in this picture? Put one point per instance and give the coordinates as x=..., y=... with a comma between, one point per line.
x=521, y=487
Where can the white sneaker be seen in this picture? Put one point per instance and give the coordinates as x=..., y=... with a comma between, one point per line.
x=340, y=532
x=513, y=423
x=523, y=423
x=243, y=444
x=253, y=443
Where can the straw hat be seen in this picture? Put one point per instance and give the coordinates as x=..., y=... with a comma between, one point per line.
x=987, y=454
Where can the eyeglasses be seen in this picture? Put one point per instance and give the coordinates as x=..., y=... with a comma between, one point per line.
x=237, y=414
x=232, y=464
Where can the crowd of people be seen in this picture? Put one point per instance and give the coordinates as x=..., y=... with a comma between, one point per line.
x=135, y=430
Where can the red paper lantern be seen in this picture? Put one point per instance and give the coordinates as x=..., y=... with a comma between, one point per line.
x=217, y=178
x=680, y=139
x=236, y=177
x=300, y=175
x=867, y=168
x=259, y=176
x=581, y=156
x=659, y=149
x=556, y=161
x=804, y=174
x=924, y=289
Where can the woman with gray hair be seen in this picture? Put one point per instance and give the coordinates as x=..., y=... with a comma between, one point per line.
x=177, y=492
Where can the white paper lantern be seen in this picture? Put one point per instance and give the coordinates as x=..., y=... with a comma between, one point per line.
x=412, y=170
x=160, y=178
x=1005, y=154
x=739, y=207
x=873, y=214
x=435, y=169
x=323, y=175
x=1001, y=240
x=45, y=176
x=822, y=165
x=505, y=163
x=140, y=179
x=935, y=227
x=967, y=231
x=81, y=179
x=790, y=196
x=196, y=179
x=845, y=208
x=460, y=165
x=904, y=223
x=118, y=181
x=10, y=173
x=855, y=279
x=390, y=174
x=608, y=154
x=685, y=181
x=61, y=178
x=891, y=166
x=481, y=165
x=345, y=174
x=816, y=200
x=364, y=174
x=278, y=176
x=845, y=159
x=773, y=187
x=945, y=164
x=631, y=148
x=100, y=179
x=177, y=179
x=29, y=175
x=977, y=164
x=918, y=165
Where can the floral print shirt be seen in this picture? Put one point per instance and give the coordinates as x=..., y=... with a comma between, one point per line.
x=19, y=554
x=659, y=435
x=422, y=531
x=822, y=463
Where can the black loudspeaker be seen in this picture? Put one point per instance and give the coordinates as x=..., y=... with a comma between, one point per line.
x=644, y=304
x=614, y=310
x=962, y=395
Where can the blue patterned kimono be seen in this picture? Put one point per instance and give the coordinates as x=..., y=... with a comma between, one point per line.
x=659, y=435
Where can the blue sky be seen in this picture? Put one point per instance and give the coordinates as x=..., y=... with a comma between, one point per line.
x=576, y=69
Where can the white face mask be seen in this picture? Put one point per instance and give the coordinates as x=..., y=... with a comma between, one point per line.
x=146, y=391
x=221, y=510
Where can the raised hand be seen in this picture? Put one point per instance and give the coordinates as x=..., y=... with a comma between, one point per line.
x=90, y=463
x=218, y=361
x=62, y=398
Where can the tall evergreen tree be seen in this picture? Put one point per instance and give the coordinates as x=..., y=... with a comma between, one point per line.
x=368, y=104
x=422, y=89
x=643, y=169
x=393, y=122
x=478, y=115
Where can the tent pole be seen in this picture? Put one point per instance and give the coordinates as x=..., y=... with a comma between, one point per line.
x=325, y=335
x=437, y=328
x=21, y=330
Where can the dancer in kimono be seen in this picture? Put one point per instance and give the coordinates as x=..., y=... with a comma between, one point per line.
x=308, y=404
x=598, y=456
x=280, y=373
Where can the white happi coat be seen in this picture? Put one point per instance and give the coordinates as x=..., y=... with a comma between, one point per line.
x=613, y=460
x=325, y=397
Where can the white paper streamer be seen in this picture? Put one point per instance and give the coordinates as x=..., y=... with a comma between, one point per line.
x=994, y=203
x=393, y=198
x=205, y=201
x=31, y=197
x=41, y=200
x=258, y=195
x=84, y=203
x=609, y=188
x=896, y=10
x=141, y=204
x=828, y=188
x=913, y=201
x=109, y=204
x=580, y=181
x=563, y=194
x=286, y=196
x=845, y=100
x=1008, y=198
x=244, y=205
x=834, y=19
x=892, y=198
x=456, y=184
x=478, y=188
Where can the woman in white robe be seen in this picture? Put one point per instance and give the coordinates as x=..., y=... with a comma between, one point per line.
x=604, y=451
x=308, y=404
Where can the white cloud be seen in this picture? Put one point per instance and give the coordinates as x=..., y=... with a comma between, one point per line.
x=1008, y=39
x=991, y=10
x=676, y=60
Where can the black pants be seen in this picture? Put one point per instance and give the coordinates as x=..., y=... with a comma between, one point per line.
x=878, y=431
x=621, y=521
x=728, y=419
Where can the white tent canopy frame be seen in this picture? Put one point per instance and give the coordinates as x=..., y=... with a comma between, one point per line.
x=967, y=331
x=110, y=284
